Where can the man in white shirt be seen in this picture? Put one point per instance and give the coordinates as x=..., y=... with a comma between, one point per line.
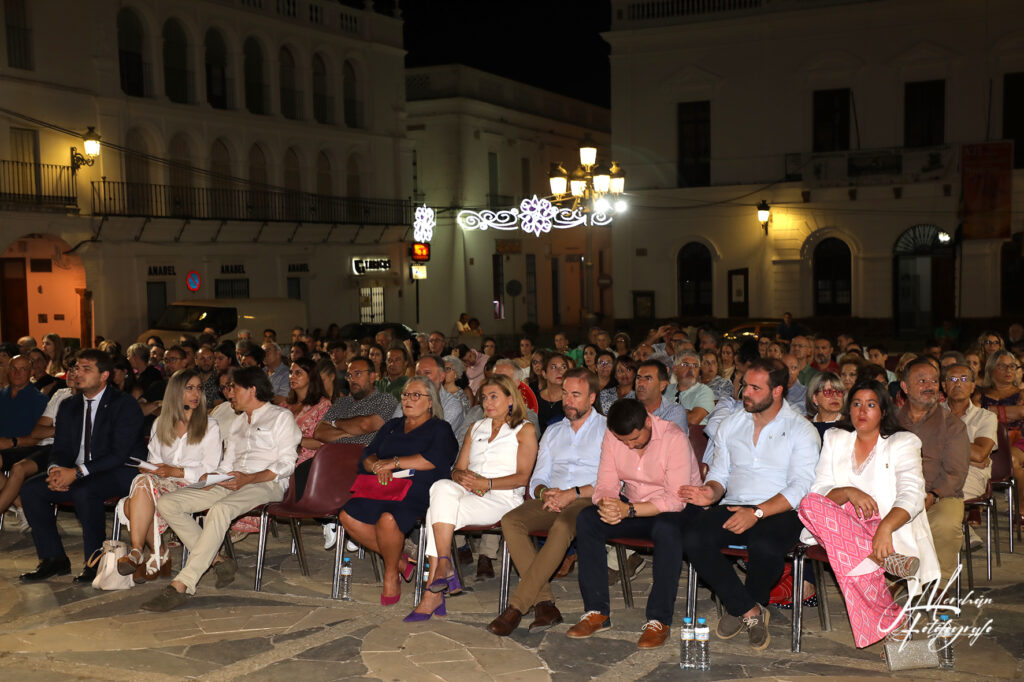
x=697, y=398
x=982, y=430
x=561, y=487
x=259, y=457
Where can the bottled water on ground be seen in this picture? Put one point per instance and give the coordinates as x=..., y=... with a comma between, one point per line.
x=946, y=642
x=346, y=579
x=702, y=655
x=686, y=644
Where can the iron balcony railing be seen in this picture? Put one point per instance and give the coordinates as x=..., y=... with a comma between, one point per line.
x=37, y=184
x=113, y=198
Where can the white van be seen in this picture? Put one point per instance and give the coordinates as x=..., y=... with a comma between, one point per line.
x=227, y=316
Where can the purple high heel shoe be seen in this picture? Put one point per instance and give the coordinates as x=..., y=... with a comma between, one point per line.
x=416, y=617
x=452, y=585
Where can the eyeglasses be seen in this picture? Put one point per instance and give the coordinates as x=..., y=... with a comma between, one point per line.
x=991, y=342
x=1003, y=367
x=413, y=396
x=605, y=363
x=831, y=392
x=692, y=365
x=959, y=380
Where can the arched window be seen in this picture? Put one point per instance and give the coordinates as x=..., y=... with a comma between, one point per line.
x=1013, y=276
x=353, y=182
x=324, y=184
x=291, y=99
x=256, y=202
x=138, y=192
x=255, y=88
x=130, y=51
x=323, y=105
x=181, y=196
x=220, y=180
x=216, y=70
x=177, y=77
x=923, y=280
x=293, y=184
x=694, y=270
x=353, y=104
x=832, y=287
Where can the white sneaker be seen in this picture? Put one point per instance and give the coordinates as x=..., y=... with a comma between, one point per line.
x=330, y=535
x=351, y=546
x=22, y=523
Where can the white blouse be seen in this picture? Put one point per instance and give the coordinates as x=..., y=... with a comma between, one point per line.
x=496, y=458
x=195, y=458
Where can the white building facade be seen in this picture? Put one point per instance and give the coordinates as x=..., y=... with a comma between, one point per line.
x=851, y=120
x=257, y=143
x=481, y=142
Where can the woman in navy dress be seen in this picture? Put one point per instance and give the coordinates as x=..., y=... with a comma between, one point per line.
x=420, y=440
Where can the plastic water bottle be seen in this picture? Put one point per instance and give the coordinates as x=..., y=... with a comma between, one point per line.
x=702, y=655
x=686, y=645
x=946, y=642
x=346, y=579
x=426, y=572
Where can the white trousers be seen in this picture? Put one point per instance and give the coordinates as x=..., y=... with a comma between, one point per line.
x=451, y=503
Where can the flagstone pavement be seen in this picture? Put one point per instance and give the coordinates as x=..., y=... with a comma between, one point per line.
x=293, y=630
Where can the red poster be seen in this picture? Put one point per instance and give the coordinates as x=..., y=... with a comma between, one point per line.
x=987, y=170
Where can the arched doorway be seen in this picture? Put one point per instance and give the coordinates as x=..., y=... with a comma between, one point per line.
x=832, y=279
x=923, y=280
x=694, y=277
x=43, y=291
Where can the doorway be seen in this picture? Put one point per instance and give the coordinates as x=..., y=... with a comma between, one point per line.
x=923, y=280
x=832, y=285
x=694, y=277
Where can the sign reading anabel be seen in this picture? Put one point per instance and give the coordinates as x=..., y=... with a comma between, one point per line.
x=423, y=224
x=534, y=216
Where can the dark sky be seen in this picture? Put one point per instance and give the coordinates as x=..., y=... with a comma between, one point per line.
x=555, y=45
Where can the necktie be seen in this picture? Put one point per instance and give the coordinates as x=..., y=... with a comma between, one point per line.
x=88, y=430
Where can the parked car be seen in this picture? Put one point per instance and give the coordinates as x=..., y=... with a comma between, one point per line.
x=226, y=316
x=360, y=330
x=754, y=329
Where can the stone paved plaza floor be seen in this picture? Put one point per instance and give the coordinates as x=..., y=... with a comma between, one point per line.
x=292, y=630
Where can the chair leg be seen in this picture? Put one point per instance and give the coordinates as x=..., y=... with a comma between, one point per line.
x=297, y=538
x=798, y=599
x=968, y=560
x=993, y=518
x=691, y=592
x=624, y=577
x=453, y=557
x=227, y=545
x=273, y=528
x=421, y=557
x=116, y=534
x=261, y=551
x=821, y=590
x=506, y=569
x=339, y=551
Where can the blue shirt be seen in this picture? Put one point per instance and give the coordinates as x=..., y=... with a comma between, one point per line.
x=783, y=461
x=278, y=380
x=796, y=396
x=673, y=412
x=568, y=458
x=18, y=415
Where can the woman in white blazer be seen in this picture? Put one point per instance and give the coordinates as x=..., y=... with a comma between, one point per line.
x=865, y=508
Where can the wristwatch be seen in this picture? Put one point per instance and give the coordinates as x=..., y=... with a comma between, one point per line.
x=632, y=512
x=758, y=512
x=577, y=492
x=78, y=473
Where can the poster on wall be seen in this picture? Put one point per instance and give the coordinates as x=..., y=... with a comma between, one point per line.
x=987, y=171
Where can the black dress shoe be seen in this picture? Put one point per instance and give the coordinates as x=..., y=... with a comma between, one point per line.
x=86, y=577
x=484, y=568
x=48, y=568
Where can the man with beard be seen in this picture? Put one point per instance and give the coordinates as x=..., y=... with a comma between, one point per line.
x=764, y=464
x=561, y=487
x=823, y=361
x=945, y=457
x=356, y=417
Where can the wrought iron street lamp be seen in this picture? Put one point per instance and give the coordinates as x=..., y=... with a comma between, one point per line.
x=92, y=151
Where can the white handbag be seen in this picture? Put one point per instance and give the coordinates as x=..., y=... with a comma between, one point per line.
x=105, y=560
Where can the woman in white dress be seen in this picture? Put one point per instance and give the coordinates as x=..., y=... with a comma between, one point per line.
x=183, y=445
x=489, y=479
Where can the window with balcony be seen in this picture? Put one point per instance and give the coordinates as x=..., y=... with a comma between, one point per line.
x=19, y=35
x=291, y=98
x=353, y=178
x=694, y=153
x=324, y=182
x=1013, y=114
x=255, y=77
x=350, y=91
x=323, y=103
x=832, y=288
x=221, y=193
x=138, y=190
x=177, y=77
x=924, y=114
x=181, y=197
x=256, y=197
x=217, y=82
x=130, y=54
x=831, y=120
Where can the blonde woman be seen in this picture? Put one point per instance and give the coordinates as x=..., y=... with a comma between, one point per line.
x=183, y=445
x=489, y=479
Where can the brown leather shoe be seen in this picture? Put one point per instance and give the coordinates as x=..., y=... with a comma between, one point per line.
x=505, y=624
x=546, y=615
x=654, y=635
x=590, y=624
x=484, y=568
x=568, y=563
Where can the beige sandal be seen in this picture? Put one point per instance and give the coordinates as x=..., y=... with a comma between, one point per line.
x=127, y=564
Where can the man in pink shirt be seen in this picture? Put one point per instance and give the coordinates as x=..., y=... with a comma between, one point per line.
x=648, y=458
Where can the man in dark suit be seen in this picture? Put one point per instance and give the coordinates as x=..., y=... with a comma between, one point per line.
x=97, y=431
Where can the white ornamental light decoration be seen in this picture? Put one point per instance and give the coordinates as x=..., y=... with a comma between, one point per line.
x=423, y=225
x=534, y=216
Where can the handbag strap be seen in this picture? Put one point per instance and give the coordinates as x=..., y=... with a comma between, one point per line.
x=95, y=557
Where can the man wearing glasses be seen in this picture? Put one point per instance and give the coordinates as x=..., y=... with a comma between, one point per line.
x=945, y=458
x=695, y=397
x=356, y=417
x=981, y=430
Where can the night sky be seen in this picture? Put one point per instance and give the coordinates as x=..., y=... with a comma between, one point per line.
x=555, y=45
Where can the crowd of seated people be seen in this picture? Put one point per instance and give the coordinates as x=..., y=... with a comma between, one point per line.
x=587, y=442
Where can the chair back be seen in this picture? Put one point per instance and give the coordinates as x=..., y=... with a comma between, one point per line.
x=698, y=441
x=1002, y=461
x=334, y=470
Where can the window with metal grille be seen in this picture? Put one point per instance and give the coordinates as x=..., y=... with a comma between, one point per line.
x=831, y=120
x=371, y=304
x=231, y=288
x=924, y=113
x=694, y=154
x=19, y=35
